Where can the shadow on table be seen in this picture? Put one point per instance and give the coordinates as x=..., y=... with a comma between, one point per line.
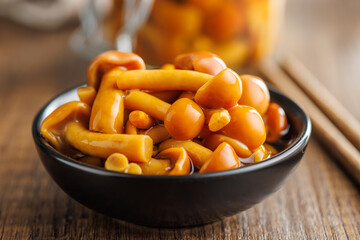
x=124, y=229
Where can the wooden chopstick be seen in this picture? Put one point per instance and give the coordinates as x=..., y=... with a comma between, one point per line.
x=334, y=110
x=327, y=132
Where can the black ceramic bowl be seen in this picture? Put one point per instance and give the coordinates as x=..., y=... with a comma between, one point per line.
x=173, y=200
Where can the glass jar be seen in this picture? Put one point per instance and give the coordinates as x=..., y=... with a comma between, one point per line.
x=238, y=31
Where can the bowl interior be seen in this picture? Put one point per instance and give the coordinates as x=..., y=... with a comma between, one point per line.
x=299, y=132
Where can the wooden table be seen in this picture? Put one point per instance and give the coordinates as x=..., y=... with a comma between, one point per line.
x=319, y=200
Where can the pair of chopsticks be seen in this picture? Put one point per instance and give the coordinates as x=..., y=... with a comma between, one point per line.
x=336, y=128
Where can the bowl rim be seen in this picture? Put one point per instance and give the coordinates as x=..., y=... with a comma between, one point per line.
x=296, y=146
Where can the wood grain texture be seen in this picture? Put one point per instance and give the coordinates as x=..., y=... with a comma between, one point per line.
x=321, y=96
x=331, y=136
x=319, y=200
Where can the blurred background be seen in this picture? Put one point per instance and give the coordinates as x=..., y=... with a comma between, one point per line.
x=58, y=38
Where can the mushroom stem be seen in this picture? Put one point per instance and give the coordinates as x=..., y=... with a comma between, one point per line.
x=137, y=148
